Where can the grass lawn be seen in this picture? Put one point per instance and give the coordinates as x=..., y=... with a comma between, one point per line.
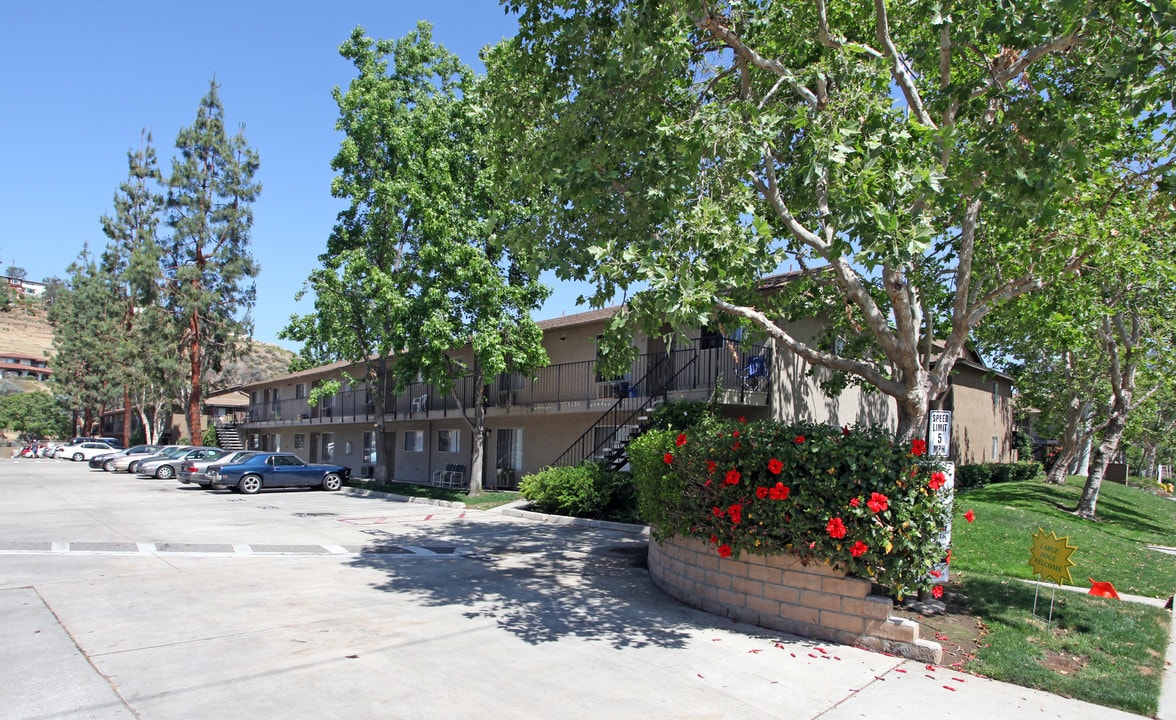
x=485, y=501
x=1103, y=651
x=1111, y=549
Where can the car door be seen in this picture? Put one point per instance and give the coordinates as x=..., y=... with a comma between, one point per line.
x=288, y=470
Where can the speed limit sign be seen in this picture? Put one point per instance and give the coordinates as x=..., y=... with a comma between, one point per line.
x=939, y=433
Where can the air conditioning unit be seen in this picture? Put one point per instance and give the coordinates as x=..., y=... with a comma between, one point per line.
x=367, y=471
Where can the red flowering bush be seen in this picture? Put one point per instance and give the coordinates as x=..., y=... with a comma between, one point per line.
x=822, y=493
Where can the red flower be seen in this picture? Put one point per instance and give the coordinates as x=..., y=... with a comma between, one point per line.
x=936, y=574
x=937, y=480
x=681, y=440
x=736, y=513
x=854, y=502
x=918, y=447
x=844, y=429
x=969, y=516
x=799, y=439
x=668, y=458
x=742, y=419
x=714, y=540
x=878, y=502
x=735, y=447
x=948, y=558
x=836, y=528
x=732, y=477
x=858, y=549
x=780, y=492
x=711, y=465
x=761, y=492
x=775, y=466
x=717, y=512
x=937, y=592
x=725, y=551
x=707, y=483
x=735, y=434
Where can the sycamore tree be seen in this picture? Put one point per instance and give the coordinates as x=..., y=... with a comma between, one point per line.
x=915, y=156
x=131, y=264
x=415, y=269
x=1092, y=351
x=207, y=270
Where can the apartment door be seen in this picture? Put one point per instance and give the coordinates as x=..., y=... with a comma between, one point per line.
x=314, y=445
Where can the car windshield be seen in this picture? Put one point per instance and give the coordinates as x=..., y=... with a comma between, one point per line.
x=174, y=452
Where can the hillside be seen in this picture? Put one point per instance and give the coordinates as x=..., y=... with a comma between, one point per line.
x=25, y=331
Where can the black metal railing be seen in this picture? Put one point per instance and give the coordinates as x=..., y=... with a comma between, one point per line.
x=563, y=387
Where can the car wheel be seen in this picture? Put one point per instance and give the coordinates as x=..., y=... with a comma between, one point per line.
x=165, y=472
x=78, y=457
x=250, y=484
x=332, y=482
x=206, y=486
x=132, y=466
x=108, y=466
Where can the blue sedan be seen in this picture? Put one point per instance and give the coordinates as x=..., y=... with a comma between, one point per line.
x=268, y=469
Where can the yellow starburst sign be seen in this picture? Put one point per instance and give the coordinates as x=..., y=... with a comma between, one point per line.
x=1050, y=557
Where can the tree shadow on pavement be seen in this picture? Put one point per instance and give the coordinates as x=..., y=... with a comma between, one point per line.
x=540, y=583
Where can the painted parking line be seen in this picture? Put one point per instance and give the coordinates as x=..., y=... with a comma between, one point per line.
x=386, y=519
x=221, y=549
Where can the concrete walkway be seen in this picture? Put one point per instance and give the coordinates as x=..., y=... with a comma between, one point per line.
x=129, y=598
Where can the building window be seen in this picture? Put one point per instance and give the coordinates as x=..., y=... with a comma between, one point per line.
x=328, y=447
x=448, y=441
x=299, y=441
x=369, y=448
x=254, y=441
x=995, y=393
x=509, y=442
x=299, y=391
x=995, y=447
x=414, y=441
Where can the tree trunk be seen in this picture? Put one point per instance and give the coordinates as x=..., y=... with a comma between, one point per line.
x=149, y=433
x=195, y=432
x=912, y=416
x=378, y=386
x=478, y=442
x=1071, y=442
x=127, y=415
x=1114, y=433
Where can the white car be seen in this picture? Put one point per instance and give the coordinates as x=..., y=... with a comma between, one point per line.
x=84, y=450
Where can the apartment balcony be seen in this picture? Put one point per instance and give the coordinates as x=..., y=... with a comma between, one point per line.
x=732, y=373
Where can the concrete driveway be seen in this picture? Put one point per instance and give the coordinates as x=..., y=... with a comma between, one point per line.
x=122, y=597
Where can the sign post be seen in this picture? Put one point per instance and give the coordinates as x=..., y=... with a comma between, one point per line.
x=1050, y=559
x=938, y=442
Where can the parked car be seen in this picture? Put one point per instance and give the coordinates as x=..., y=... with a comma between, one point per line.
x=84, y=450
x=130, y=463
x=166, y=468
x=106, y=461
x=196, y=471
x=270, y=469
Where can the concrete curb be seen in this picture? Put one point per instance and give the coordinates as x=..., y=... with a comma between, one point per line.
x=519, y=509
x=390, y=497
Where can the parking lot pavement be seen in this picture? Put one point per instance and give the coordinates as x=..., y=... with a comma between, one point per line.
x=149, y=600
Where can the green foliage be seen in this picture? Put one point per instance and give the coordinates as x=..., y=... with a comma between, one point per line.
x=806, y=489
x=678, y=415
x=209, y=438
x=679, y=151
x=35, y=415
x=1023, y=444
x=584, y=491
x=973, y=476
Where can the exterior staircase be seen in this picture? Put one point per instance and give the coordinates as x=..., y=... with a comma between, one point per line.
x=606, y=442
x=230, y=436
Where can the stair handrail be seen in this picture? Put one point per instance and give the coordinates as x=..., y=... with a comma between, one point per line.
x=571, y=456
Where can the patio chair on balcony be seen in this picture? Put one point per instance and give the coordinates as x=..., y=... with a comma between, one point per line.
x=755, y=374
x=420, y=404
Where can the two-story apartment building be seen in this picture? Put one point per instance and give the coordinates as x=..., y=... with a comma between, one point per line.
x=15, y=365
x=570, y=410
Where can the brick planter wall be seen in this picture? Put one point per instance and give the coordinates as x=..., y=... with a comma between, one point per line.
x=778, y=592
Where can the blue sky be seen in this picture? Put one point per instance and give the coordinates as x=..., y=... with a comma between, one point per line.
x=84, y=78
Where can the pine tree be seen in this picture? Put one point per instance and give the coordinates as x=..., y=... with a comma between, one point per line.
x=131, y=263
x=207, y=267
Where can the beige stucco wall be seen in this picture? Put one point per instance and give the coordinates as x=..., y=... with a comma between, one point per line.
x=979, y=416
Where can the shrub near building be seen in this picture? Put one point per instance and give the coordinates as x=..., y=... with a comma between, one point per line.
x=849, y=497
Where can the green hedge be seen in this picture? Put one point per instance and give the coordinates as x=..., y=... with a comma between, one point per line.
x=850, y=497
x=973, y=476
x=585, y=491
